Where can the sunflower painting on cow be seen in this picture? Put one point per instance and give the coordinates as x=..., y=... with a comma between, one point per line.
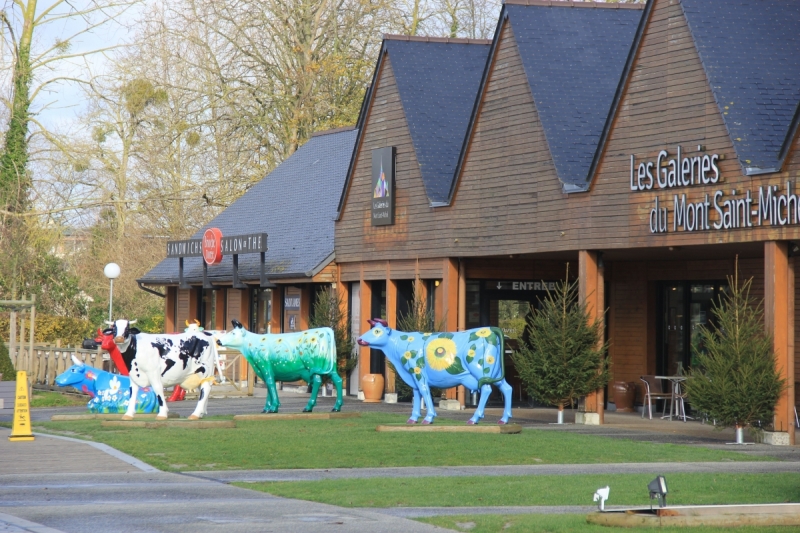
x=473, y=358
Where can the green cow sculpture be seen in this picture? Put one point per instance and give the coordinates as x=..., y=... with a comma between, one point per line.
x=306, y=355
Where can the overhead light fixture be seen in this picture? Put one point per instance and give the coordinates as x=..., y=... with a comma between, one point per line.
x=658, y=490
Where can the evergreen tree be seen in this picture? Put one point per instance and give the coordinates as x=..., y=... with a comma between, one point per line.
x=6, y=367
x=328, y=312
x=562, y=357
x=735, y=380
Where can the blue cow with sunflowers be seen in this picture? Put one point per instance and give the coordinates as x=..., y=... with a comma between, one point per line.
x=473, y=358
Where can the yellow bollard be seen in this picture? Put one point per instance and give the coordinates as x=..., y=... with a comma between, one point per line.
x=21, y=430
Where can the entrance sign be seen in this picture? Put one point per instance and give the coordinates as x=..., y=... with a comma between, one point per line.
x=212, y=247
x=383, y=186
x=521, y=285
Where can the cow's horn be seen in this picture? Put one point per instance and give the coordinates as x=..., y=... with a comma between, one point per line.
x=108, y=322
x=382, y=322
x=187, y=322
x=76, y=360
x=132, y=322
x=196, y=321
x=370, y=322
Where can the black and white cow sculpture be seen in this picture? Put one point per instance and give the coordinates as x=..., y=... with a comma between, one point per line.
x=159, y=360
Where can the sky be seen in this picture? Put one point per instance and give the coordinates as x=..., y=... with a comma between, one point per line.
x=58, y=107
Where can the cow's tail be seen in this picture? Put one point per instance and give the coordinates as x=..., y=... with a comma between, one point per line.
x=501, y=356
x=333, y=355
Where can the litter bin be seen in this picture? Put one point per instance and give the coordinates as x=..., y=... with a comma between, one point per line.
x=624, y=395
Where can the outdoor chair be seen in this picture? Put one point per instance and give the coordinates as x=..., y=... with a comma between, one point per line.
x=653, y=392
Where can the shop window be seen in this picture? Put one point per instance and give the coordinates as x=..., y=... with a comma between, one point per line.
x=260, y=310
x=378, y=308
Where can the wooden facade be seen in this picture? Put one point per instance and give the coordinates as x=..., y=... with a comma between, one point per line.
x=510, y=219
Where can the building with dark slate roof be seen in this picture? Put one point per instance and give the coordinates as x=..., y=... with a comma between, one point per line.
x=646, y=150
x=295, y=205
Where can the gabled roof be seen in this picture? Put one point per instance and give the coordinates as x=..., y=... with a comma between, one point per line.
x=574, y=60
x=295, y=205
x=437, y=79
x=437, y=82
x=750, y=50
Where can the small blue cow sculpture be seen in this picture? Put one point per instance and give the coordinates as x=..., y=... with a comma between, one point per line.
x=110, y=393
x=473, y=358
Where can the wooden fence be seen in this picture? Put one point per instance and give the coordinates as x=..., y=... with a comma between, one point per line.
x=47, y=362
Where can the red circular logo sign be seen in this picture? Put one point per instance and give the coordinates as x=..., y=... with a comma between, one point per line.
x=212, y=246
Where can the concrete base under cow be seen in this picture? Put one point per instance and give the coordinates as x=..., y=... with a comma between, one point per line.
x=103, y=416
x=296, y=416
x=777, y=514
x=505, y=429
x=185, y=424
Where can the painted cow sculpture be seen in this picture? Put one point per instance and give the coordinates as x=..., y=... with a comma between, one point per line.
x=159, y=360
x=110, y=393
x=306, y=355
x=473, y=358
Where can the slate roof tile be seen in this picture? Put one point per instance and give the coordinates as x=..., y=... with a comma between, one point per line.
x=438, y=83
x=750, y=50
x=295, y=205
x=574, y=60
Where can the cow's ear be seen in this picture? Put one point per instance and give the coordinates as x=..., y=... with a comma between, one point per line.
x=236, y=323
x=108, y=331
x=134, y=331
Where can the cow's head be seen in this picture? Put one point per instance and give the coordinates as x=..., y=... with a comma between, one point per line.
x=121, y=331
x=193, y=328
x=74, y=374
x=376, y=337
x=235, y=337
x=106, y=340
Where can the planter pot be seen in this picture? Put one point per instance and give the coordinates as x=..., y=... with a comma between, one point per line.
x=624, y=395
x=372, y=385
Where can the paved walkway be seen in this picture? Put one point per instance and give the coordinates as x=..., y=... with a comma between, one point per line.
x=51, y=485
x=744, y=467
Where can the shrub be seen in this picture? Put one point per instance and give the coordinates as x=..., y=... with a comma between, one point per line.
x=6, y=368
x=562, y=357
x=735, y=380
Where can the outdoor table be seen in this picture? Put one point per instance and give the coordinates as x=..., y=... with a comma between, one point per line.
x=675, y=382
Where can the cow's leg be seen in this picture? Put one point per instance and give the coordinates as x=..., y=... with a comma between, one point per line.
x=132, y=402
x=337, y=381
x=316, y=381
x=506, y=389
x=158, y=388
x=273, y=402
x=486, y=390
x=202, y=402
x=415, y=414
x=425, y=391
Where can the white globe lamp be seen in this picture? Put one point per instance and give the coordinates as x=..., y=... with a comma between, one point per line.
x=112, y=272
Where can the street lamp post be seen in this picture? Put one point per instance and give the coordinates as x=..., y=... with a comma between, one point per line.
x=112, y=272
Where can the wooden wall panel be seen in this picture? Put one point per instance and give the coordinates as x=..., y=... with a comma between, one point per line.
x=509, y=199
x=628, y=346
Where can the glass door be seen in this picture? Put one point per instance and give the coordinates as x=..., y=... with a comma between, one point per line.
x=685, y=307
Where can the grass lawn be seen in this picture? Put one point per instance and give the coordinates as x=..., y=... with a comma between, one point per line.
x=626, y=489
x=353, y=443
x=56, y=399
x=566, y=524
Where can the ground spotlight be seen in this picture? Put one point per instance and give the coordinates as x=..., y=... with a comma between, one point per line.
x=658, y=489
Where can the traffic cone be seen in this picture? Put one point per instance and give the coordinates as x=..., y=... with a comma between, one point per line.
x=21, y=430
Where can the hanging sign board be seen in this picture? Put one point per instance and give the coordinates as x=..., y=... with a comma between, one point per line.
x=383, y=186
x=213, y=246
x=212, y=241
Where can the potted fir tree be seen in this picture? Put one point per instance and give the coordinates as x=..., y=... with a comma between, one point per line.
x=562, y=356
x=734, y=380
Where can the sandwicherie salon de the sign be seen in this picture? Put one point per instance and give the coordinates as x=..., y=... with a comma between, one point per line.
x=718, y=210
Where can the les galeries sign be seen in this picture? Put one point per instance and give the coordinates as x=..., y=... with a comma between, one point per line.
x=740, y=208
